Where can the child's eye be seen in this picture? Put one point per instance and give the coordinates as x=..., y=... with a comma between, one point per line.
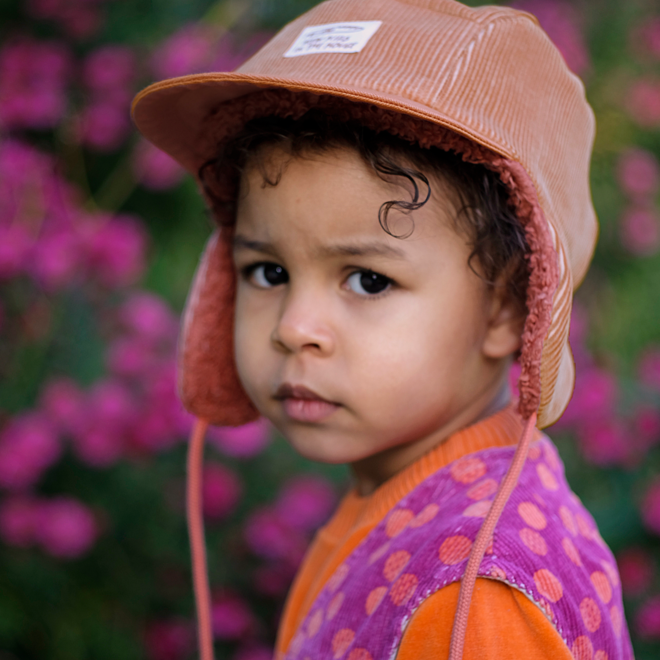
x=267, y=275
x=368, y=283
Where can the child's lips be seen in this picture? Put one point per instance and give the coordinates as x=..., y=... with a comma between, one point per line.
x=304, y=405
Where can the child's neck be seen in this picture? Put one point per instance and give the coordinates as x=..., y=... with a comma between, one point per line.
x=373, y=471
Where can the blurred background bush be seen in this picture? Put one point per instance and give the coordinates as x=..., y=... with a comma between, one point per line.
x=99, y=237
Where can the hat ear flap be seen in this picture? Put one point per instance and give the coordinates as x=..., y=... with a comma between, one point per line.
x=208, y=380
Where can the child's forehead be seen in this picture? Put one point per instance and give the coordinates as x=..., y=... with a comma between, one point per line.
x=277, y=185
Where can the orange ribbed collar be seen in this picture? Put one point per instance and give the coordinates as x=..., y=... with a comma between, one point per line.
x=499, y=430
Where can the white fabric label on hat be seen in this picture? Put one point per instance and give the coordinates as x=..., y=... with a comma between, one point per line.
x=349, y=37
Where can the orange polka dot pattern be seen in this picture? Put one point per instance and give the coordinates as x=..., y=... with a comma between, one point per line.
x=545, y=544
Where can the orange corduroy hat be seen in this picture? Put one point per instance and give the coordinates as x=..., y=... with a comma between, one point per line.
x=485, y=82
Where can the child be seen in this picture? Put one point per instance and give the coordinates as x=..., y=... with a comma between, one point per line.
x=403, y=204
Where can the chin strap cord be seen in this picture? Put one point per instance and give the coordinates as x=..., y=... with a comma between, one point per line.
x=197, y=544
x=483, y=539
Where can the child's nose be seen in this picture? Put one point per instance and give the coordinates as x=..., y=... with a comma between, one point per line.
x=304, y=324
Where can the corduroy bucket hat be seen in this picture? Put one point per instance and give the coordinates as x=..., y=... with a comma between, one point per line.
x=486, y=83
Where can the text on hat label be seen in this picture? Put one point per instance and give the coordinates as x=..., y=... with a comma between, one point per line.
x=349, y=37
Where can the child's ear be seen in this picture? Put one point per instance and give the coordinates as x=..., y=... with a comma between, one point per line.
x=506, y=322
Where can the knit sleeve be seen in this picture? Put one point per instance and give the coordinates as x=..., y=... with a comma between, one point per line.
x=504, y=625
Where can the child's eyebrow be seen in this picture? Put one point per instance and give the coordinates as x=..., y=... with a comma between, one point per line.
x=361, y=249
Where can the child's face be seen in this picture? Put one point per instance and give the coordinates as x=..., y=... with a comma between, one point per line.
x=361, y=348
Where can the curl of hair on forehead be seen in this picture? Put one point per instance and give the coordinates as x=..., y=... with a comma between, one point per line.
x=483, y=212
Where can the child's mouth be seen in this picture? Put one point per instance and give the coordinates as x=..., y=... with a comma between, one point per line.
x=304, y=405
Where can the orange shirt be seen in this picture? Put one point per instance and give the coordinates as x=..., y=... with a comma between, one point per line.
x=503, y=624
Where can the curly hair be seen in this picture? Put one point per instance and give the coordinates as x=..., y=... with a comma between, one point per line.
x=484, y=214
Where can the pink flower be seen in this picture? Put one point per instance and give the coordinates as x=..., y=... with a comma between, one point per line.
x=80, y=19
x=647, y=619
x=56, y=260
x=221, y=491
x=274, y=579
x=116, y=251
x=640, y=231
x=28, y=447
x=643, y=102
x=149, y=316
x=650, y=508
x=33, y=77
x=268, y=536
x=99, y=447
x=231, y=617
x=241, y=441
x=66, y=529
x=109, y=68
x=559, y=21
x=187, y=51
x=305, y=501
x=595, y=390
x=18, y=519
x=154, y=169
x=15, y=246
x=100, y=441
x=605, y=442
x=636, y=571
x=254, y=652
x=64, y=404
x=130, y=357
x=169, y=640
x=646, y=423
x=648, y=37
x=638, y=172
x=103, y=125
x=649, y=368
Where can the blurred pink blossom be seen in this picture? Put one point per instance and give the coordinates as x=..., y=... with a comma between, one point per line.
x=110, y=410
x=643, y=102
x=155, y=169
x=66, y=528
x=15, y=246
x=231, y=617
x=647, y=619
x=109, y=69
x=650, y=508
x=648, y=368
x=638, y=172
x=221, y=491
x=274, y=578
x=116, y=251
x=254, y=652
x=241, y=441
x=64, y=404
x=80, y=19
x=605, y=442
x=149, y=316
x=646, y=423
x=305, y=501
x=130, y=357
x=103, y=125
x=268, y=536
x=514, y=375
x=647, y=37
x=636, y=570
x=559, y=20
x=18, y=520
x=640, y=231
x=56, y=260
x=595, y=390
x=33, y=79
x=190, y=50
x=28, y=447
x=169, y=640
